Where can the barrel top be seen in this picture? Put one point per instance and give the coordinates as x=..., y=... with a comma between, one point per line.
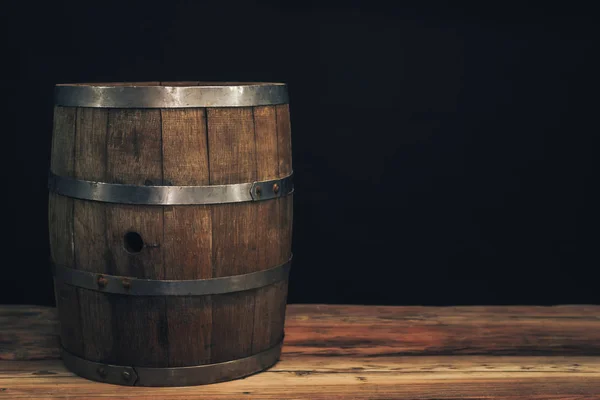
x=170, y=94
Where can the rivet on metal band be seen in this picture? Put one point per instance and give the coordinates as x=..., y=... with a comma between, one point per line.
x=209, y=95
x=169, y=195
x=181, y=376
x=152, y=287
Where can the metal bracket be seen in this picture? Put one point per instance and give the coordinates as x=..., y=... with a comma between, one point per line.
x=117, y=374
x=272, y=189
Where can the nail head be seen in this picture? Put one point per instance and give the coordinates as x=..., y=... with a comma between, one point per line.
x=102, y=281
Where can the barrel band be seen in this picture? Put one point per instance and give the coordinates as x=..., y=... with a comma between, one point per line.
x=151, y=287
x=181, y=376
x=107, y=96
x=169, y=195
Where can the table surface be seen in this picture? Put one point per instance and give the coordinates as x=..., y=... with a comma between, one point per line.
x=358, y=352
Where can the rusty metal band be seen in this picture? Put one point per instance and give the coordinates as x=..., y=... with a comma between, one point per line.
x=151, y=287
x=170, y=195
x=209, y=95
x=181, y=376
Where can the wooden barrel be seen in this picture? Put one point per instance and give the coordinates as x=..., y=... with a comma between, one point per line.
x=170, y=219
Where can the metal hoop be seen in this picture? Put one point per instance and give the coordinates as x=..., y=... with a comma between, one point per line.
x=169, y=195
x=107, y=96
x=182, y=376
x=152, y=287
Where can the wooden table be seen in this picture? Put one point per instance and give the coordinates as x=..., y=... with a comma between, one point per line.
x=358, y=352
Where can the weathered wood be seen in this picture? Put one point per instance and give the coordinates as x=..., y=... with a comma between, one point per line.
x=186, y=146
x=284, y=139
x=265, y=132
x=134, y=156
x=63, y=141
x=187, y=236
x=440, y=378
x=377, y=331
x=90, y=235
x=29, y=333
x=272, y=251
x=284, y=154
x=232, y=159
x=187, y=230
x=60, y=223
x=309, y=371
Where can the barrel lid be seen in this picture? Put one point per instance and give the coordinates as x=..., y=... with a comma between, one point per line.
x=170, y=94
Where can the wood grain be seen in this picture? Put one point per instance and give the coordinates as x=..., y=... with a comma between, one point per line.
x=232, y=159
x=269, y=307
x=378, y=331
x=171, y=147
x=414, y=378
x=60, y=223
x=134, y=156
x=309, y=371
x=194, y=146
x=29, y=333
x=286, y=204
x=284, y=139
x=187, y=245
x=90, y=236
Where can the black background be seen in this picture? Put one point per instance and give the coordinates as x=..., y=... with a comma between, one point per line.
x=442, y=153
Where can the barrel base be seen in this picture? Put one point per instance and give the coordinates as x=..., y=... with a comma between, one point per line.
x=164, y=377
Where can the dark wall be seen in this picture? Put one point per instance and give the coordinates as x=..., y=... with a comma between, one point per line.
x=443, y=154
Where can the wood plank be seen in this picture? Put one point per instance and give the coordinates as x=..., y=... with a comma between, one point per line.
x=29, y=333
x=284, y=146
x=265, y=128
x=307, y=371
x=184, y=146
x=134, y=156
x=141, y=325
x=97, y=326
x=91, y=249
x=90, y=164
x=134, y=147
x=377, y=331
x=232, y=147
x=67, y=301
x=268, y=318
x=187, y=246
x=441, y=365
x=63, y=140
x=60, y=224
x=284, y=153
x=286, y=204
x=60, y=209
x=232, y=159
x=284, y=138
x=447, y=377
